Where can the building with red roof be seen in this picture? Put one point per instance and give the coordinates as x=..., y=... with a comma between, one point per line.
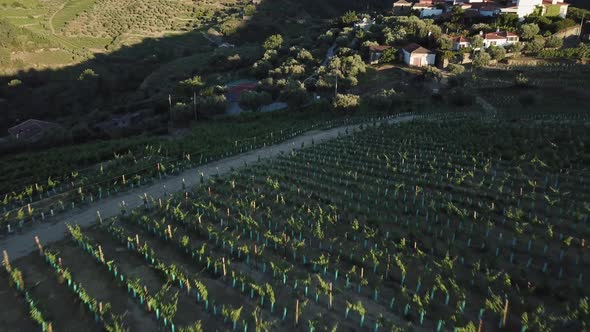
x=416, y=55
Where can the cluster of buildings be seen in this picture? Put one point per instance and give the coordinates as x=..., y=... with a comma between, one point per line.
x=522, y=8
x=416, y=55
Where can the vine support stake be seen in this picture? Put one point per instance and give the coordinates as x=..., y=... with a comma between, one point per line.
x=505, y=313
x=297, y=312
x=6, y=261
x=39, y=246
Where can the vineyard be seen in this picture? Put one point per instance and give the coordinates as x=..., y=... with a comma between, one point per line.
x=434, y=226
x=127, y=164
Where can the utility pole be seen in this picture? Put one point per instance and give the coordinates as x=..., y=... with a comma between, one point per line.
x=582, y=25
x=195, y=105
x=336, y=86
x=170, y=105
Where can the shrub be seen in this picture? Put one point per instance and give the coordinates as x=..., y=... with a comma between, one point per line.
x=15, y=82
x=456, y=69
x=497, y=52
x=252, y=100
x=389, y=56
x=87, y=74
x=181, y=113
x=384, y=100
x=521, y=80
x=554, y=42
x=190, y=85
x=535, y=45
x=273, y=42
x=345, y=102
x=432, y=73
x=529, y=31
x=295, y=95
x=481, y=59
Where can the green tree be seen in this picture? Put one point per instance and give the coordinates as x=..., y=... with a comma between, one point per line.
x=529, y=31
x=348, y=18
x=476, y=41
x=273, y=42
x=15, y=82
x=456, y=69
x=481, y=59
x=295, y=94
x=190, y=85
x=535, y=45
x=554, y=42
x=389, y=56
x=497, y=52
x=253, y=100
x=432, y=73
x=444, y=43
x=345, y=102
x=87, y=74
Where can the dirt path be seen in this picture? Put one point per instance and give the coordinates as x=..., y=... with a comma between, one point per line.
x=61, y=7
x=489, y=108
x=20, y=245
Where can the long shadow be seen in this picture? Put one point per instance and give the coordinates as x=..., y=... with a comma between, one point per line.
x=124, y=84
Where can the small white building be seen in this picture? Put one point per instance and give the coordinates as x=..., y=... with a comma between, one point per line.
x=418, y=56
x=548, y=7
x=427, y=8
x=500, y=38
x=459, y=43
x=489, y=11
x=365, y=24
x=430, y=12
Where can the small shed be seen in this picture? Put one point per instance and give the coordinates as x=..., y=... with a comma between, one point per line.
x=32, y=130
x=416, y=55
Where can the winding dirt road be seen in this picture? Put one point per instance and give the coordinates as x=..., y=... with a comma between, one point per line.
x=19, y=245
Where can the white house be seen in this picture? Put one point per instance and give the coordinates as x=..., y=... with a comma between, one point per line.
x=416, y=55
x=459, y=43
x=427, y=8
x=548, y=7
x=489, y=10
x=365, y=24
x=500, y=38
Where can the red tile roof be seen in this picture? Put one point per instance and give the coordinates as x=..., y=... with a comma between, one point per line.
x=379, y=48
x=459, y=39
x=549, y=2
x=415, y=48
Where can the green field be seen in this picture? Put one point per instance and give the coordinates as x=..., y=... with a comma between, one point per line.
x=70, y=11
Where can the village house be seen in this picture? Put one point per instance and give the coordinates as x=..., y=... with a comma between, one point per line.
x=365, y=24
x=521, y=8
x=547, y=7
x=428, y=8
x=376, y=52
x=460, y=43
x=416, y=55
x=500, y=38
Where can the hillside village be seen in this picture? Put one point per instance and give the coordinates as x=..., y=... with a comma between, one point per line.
x=294, y=165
